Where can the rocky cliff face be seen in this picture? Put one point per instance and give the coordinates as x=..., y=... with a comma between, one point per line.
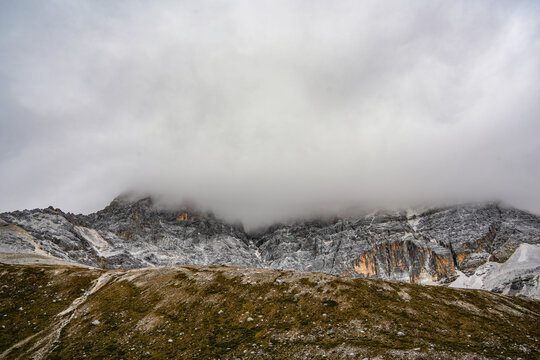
x=128, y=234
x=435, y=245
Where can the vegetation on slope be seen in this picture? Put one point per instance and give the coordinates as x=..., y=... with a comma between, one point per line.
x=230, y=313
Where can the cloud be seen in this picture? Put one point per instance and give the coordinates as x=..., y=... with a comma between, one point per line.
x=265, y=110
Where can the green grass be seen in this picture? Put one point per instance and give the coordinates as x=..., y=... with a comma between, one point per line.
x=228, y=313
x=31, y=296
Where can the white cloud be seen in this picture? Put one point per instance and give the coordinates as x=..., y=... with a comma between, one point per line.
x=263, y=110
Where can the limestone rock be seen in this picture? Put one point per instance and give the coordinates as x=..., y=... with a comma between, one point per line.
x=432, y=246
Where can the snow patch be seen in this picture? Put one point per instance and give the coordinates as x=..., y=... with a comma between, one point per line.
x=258, y=255
x=519, y=275
x=412, y=218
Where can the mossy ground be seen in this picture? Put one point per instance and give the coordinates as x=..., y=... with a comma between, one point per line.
x=31, y=296
x=229, y=313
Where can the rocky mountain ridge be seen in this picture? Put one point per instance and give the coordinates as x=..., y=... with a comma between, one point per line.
x=430, y=246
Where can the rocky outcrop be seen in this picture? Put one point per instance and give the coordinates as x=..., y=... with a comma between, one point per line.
x=405, y=260
x=433, y=245
x=133, y=234
x=519, y=275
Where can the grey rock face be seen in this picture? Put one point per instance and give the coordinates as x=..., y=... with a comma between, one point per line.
x=423, y=246
x=430, y=246
x=519, y=285
x=133, y=234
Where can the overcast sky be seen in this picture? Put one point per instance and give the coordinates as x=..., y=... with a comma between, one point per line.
x=262, y=110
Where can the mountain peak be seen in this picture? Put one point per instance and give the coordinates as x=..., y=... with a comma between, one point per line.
x=429, y=245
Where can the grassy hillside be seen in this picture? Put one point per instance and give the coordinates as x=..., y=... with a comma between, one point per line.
x=61, y=312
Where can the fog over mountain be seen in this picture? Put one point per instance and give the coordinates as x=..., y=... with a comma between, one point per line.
x=266, y=110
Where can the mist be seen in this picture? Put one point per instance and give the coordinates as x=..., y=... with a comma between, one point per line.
x=266, y=110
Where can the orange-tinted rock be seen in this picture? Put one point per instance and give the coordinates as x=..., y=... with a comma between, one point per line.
x=365, y=265
x=405, y=259
x=182, y=217
x=443, y=266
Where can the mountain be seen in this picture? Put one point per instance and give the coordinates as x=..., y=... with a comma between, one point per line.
x=471, y=245
x=214, y=312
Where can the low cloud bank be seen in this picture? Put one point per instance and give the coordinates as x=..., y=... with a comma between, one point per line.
x=267, y=110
